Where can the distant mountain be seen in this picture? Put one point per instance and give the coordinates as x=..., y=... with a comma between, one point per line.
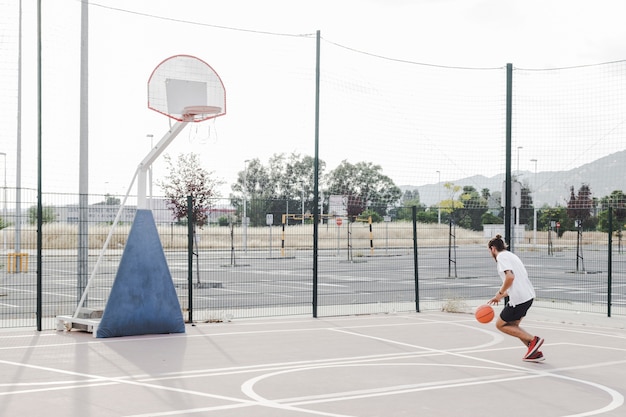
x=603, y=176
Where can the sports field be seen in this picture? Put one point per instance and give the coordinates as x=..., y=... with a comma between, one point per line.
x=430, y=364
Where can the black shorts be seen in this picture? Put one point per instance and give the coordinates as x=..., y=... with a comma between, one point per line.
x=516, y=313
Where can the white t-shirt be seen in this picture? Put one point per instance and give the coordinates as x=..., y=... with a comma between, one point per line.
x=522, y=289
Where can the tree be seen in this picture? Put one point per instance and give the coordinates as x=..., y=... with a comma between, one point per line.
x=188, y=178
x=428, y=216
x=293, y=178
x=490, y=218
x=253, y=184
x=526, y=211
x=284, y=186
x=4, y=223
x=47, y=215
x=365, y=186
x=109, y=200
x=580, y=207
x=474, y=206
x=450, y=206
x=411, y=199
x=557, y=215
x=411, y=196
x=617, y=202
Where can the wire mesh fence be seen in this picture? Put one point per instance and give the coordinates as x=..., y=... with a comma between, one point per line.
x=392, y=134
x=362, y=267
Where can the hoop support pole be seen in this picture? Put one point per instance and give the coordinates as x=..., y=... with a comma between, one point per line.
x=142, y=170
x=104, y=248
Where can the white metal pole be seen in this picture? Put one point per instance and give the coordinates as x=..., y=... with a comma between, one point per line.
x=150, y=205
x=83, y=166
x=105, y=247
x=18, y=152
x=150, y=158
x=4, y=203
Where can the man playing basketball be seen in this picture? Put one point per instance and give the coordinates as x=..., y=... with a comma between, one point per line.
x=519, y=293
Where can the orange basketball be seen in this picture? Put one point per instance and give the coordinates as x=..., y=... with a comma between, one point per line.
x=484, y=313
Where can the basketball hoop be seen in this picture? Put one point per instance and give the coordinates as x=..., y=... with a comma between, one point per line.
x=200, y=113
x=186, y=89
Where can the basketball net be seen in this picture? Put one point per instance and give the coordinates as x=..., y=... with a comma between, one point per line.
x=203, y=133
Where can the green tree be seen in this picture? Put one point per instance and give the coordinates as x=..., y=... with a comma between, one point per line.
x=526, y=211
x=286, y=184
x=411, y=198
x=253, y=184
x=450, y=206
x=406, y=211
x=474, y=206
x=188, y=178
x=617, y=202
x=485, y=193
x=365, y=185
x=546, y=216
x=109, y=200
x=579, y=207
x=428, y=216
x=411, y=195
x=376, y=218
x=48, y=215
x=490, y=218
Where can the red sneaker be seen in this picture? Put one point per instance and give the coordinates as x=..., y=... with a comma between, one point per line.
x=533, y=346
x=536, y=357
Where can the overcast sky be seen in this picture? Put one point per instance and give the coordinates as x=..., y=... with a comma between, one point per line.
x=127, y=39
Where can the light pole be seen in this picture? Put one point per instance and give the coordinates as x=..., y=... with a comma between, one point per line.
x=151, y=136
x=439, y=198
x=518, y=148
x=244, y=221
x=535, y=204
x=4, y=202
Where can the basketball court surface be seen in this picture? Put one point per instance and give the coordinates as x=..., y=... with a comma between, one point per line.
x=413, y=364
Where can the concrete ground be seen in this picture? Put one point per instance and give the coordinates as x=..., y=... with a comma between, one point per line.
x=414, y=364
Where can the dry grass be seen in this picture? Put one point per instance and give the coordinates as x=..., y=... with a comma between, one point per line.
x=392, y=235
x=455, y=305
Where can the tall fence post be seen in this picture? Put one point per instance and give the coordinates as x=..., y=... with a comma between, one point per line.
x=415, y=264
x=609, y=268
x=316, y=166
x=190, y=258
x=509, y=128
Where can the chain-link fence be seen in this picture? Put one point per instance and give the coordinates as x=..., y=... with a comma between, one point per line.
x=363, y=267
x=389, y=134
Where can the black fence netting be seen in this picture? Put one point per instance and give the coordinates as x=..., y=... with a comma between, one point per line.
x=364, y=266
x=403, y=164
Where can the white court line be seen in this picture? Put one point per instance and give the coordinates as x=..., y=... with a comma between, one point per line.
x=585, y=331
x=359, y=359
x=44, y=292
x=248, y=386
x=617, y=399
x=9, y=305
x=123, y=380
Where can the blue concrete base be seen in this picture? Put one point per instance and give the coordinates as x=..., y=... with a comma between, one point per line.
x=143, y=299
